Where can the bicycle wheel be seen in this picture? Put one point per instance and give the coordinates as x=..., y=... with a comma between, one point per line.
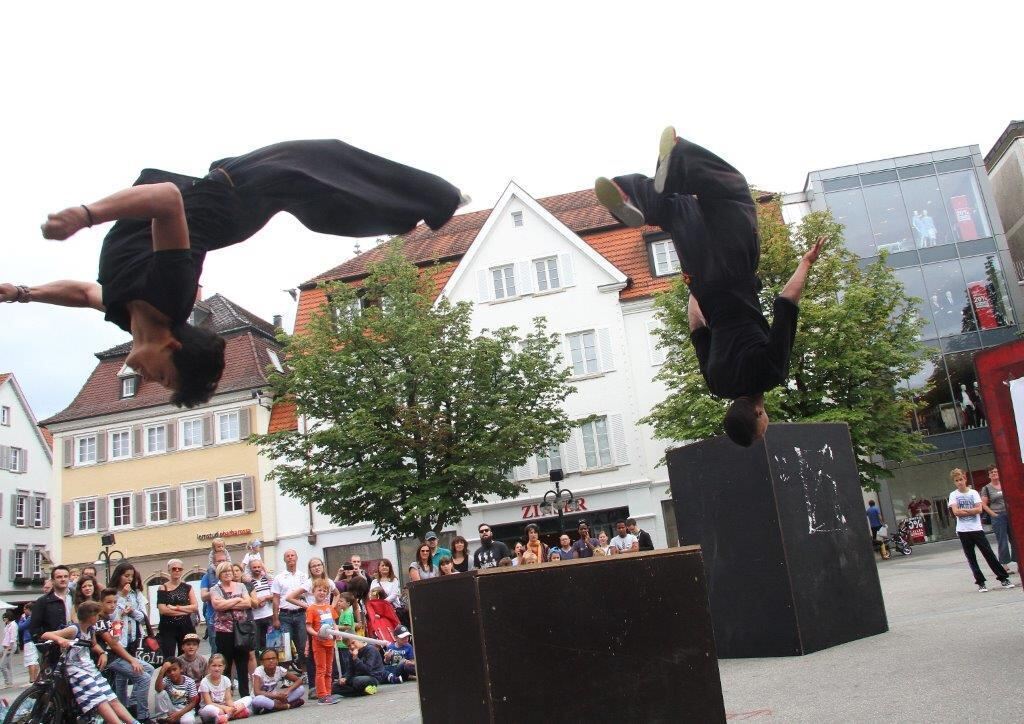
x=33, y=706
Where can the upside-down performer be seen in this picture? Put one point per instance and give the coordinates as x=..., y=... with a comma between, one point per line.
x=152, y=258
x=705, y=205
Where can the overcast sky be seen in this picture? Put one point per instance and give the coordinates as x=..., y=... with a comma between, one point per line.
x=549, y=94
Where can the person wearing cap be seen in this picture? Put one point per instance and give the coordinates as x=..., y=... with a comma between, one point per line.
x=585, y=544
x=399, y=657
x=436, y=549
x=193, y=663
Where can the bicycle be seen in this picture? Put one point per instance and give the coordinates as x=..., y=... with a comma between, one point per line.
x=49, y=699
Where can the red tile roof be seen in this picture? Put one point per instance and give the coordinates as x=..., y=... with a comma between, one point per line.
x=283, y=417
x=47, y=435
x=4, y=376
x=578, y=210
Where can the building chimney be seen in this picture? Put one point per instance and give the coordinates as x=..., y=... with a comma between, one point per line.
x=278, y=322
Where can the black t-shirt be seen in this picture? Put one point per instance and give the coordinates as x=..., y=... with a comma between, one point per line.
x=739, y=354
x=489, y=556
x=130, y=270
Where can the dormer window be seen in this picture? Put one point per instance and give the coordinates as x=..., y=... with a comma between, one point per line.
x=129, y=381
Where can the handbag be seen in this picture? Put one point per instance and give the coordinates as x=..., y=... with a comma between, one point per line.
x=148, y=648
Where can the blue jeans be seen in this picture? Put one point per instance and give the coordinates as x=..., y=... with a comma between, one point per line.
x=1001, y=527
x=294, y=622
x=211, y=637
x=140, y=685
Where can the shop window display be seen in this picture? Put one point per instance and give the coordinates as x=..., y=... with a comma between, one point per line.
x=962, y=197
x=889, y=222
x=936, y=411
x=947, y=295
x=921, y=490
x=986, y=288
x=970, y=408
x=927, y=212
x=848, y=209
x=913, y=283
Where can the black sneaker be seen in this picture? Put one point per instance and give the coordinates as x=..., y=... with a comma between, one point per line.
x=611, y=197
x=982, y=588
x=1005, y=583
x=665, y=145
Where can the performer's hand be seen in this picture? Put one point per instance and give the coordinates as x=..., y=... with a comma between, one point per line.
x=812, y=255
x=8, y=292
x=65, y=224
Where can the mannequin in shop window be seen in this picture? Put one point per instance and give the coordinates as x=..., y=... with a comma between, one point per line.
x=979, y=405
x=918, y=225
x=929, y=232
x=967, y=405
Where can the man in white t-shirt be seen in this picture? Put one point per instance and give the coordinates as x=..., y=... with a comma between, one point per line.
x=965, y=504
x=624, y=542
x=287, y=616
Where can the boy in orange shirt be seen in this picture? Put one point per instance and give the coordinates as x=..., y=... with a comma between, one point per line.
x=318, y=615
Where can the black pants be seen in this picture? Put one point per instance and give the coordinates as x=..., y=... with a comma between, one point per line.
x=170, y=636
x=976, y=539
x=708, y=211
x=235, y=657
x=356, y=686
x=262, y=626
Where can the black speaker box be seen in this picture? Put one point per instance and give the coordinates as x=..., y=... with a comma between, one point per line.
x=781, y=524
x=601, y=639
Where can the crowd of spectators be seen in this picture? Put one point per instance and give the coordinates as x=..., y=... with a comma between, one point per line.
x=274, y=640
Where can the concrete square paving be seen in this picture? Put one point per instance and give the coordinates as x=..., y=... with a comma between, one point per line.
x=951, y=655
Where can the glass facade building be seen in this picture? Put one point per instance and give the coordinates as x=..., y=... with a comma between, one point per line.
x=934, y=215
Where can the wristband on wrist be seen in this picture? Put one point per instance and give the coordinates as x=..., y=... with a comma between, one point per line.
x=88, y=216
x=24, y=294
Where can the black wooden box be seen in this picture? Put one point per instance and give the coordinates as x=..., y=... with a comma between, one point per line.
x=781, y=524
x=626, y=637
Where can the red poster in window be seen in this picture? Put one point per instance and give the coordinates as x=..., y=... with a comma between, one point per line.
x=964, y=218
x=981, y=300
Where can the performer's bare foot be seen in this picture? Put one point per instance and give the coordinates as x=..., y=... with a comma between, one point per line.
x=615, y=200
x=65, y=224
x=668, y=141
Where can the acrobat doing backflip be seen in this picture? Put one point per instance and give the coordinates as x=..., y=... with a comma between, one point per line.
x=705, y=205
x=152, y=258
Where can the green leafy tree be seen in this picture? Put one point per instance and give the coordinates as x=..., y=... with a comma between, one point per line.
x=856, y=344
x=412, y=417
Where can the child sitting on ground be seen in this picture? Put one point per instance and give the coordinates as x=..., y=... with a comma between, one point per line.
x=399, y=658
x=274, y=687
x=215, y=690
x=367, y=670
x=91, y=690
x=177, y=694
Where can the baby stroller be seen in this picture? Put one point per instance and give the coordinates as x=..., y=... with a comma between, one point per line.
x=898, y=541
x=381, y=620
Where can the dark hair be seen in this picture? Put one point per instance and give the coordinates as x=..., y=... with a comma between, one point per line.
x=10, y=615
x=88, y=567
x=108, y=592
x=870, y=503
x=391, y=569
x=79, y=598
x=358, y=587
x=630, y=521
x=990, y=468
x=176, y=662
x=463, y=541
x=351, y=599
x=122, y=568
x=531, y=526
x=88, y=609
x=200, y=363
x=483, y=525
x=264, y=652
x=741, y=422
x=62, y=567
x=620, y=520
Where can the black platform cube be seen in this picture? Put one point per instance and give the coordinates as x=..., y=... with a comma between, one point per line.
x=786, y=545
x=602, y=639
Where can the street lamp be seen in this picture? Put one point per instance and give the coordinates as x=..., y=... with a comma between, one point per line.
x=107, y=540
x=559, y=498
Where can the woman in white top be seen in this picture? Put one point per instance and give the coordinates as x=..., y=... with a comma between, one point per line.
x=603, y=544
x=423, y=567
x=386, y=581
x=10, y=644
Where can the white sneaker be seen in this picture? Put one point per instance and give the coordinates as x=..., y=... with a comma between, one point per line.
x=610, y=196
x=1007, y=584
x=665, y=145
x=982, y=588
